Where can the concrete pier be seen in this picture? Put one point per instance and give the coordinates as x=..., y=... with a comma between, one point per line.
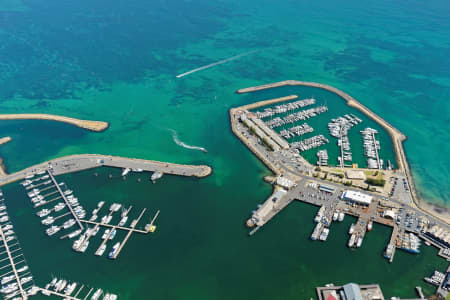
x=75, y=163
x=396, y=136
x=271, y=207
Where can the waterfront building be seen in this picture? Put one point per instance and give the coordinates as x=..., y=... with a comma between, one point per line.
x=284, y=182
x=389, y=214
x=350, y=291
x=357, y=197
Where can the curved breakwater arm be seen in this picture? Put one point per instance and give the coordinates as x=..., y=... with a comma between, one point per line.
x=85, y=124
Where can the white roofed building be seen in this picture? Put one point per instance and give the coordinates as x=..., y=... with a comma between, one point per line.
x=284, y=182
x=357, y=197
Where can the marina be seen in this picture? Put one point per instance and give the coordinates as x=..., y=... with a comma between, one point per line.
x=310, y=143
x=283, y=108
x=296, y=179
x=371, y=147
x=322, y=158
x=118, y=63
x=339, y=129
x=295, y=117
x=77, y=214
x=280, y=126
x=16, y=279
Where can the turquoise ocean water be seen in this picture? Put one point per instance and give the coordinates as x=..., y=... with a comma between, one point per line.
x=117, y=62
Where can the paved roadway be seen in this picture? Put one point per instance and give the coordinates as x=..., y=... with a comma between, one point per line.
x=75, y=163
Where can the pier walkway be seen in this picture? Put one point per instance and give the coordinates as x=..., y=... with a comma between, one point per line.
x=13, y=264
x=10, y=246
x=132, y=229
x=75, y=163
x=65, y=200
x=53, y=293
x=132, y=225
x=376, y=151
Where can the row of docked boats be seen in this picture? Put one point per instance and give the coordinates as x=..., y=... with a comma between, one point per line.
x=356, y=238
x=294, y=131
x=66, y=288
x=81, y=244
x=17, y=280
x=82, y=236
x=283, y=108
x=295, y=117
x=338, y=215
x=310, y=143
x=322, y=157
x=321, y=229
x=40, y=184
x=156, y=175
x=340, y=126
x=436, y=279
x=409, y=242
x=31, y=178
x=371, y=147
x=320, y=232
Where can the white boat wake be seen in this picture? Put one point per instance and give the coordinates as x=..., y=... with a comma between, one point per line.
x=215, y=64
x=184, y=145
